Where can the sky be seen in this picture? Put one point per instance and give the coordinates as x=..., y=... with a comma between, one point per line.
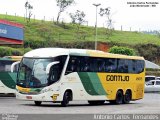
x=123, y=16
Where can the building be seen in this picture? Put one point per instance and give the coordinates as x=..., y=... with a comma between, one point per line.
x=11, y=32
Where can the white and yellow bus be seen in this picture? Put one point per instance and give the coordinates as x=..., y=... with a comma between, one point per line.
x=63, y=75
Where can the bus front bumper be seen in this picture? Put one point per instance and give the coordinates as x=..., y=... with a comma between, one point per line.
x=46, y=97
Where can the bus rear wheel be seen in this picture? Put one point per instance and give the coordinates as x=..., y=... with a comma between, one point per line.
x=66, y=99
x=37, y=103
x=119, y=98
x=127, y=97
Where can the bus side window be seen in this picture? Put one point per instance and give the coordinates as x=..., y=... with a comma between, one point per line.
x=1, y=66
x=56, y=70
x=54, y=74
x=139, y=66
x=85, y=64
x=101, y=65
x=131, y=67
x=73, y=64
x=5, y=66
x=111, y=65
x=125, y=68
x=122, y=65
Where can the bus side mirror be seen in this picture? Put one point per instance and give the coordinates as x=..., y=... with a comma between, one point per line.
x=50, y=65
x=13, y=66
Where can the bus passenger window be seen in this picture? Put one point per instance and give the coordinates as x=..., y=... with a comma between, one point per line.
x=101, y=65
x=139, y=66
x=73, y=65
x=85, y=67
x=5, y=66
x=123, y=66
x=92, y=64
x=85, y=64
x=130, y=66
x=111, y=65
x=133, y=70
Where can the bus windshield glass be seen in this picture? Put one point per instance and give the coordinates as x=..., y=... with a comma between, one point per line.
x=32, y=72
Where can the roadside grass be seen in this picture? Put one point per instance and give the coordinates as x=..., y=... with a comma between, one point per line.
x=39, y=30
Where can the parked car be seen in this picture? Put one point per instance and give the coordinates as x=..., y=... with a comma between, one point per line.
x=152, y=86
x=158, y=78
x=149, y=77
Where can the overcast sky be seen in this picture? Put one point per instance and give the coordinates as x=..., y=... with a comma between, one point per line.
x=136, y=18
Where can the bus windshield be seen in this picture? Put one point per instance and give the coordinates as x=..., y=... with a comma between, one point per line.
x=32, y=72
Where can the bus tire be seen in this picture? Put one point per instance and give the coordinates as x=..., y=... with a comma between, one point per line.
x=127, y=97
x=66, y=99
x=119, y=97
x=37, y=103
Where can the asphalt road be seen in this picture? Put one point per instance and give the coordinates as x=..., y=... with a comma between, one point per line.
x=149, y=105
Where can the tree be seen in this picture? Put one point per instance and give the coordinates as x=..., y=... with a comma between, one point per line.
x=122, y=50
x=77, y=19
x=107, y=13
x=28, y=8
x=63, y=4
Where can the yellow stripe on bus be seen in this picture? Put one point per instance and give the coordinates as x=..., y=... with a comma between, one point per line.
x=110, y=55
x=21, y=89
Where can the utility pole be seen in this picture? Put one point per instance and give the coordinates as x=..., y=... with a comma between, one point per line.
x=96, y=5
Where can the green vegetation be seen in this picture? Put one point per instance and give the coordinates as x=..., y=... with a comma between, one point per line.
x=7, y=51
x=39, y=33
x=39, y=30
x=155, y=72
x=122, y=50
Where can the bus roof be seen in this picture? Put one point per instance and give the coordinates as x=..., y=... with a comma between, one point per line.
x=52, y=52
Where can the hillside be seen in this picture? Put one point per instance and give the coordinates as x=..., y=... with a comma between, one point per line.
x=39, y=33
x=45, y=30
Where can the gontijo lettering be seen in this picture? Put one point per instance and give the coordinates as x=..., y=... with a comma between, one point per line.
x=117, y=78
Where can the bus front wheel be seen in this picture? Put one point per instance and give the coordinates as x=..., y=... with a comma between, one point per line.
x=37, y=103
x=66, y=99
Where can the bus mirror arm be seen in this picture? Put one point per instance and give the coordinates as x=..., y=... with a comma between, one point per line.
x=50, y=65
x=13, y=66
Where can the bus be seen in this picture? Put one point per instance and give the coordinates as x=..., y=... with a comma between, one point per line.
x=63, y=75
x=7, y=78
